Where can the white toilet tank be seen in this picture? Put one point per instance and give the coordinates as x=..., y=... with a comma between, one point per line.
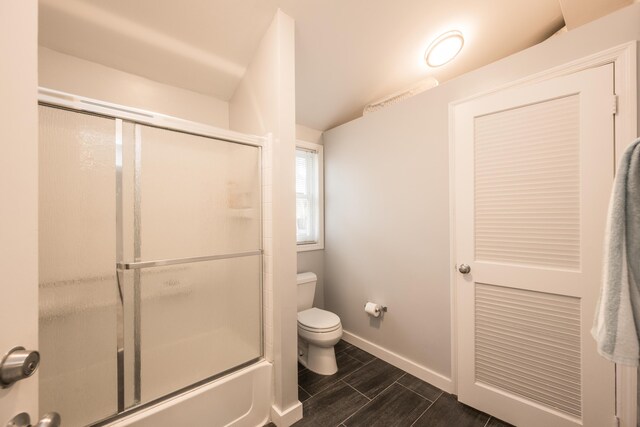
x=306, y=290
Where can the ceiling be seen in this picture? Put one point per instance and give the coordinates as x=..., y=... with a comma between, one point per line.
x=348, y=52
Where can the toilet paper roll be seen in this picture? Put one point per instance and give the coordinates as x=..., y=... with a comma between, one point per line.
x=372, y=309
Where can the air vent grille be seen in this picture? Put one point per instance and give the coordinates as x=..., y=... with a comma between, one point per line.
x=400, y=96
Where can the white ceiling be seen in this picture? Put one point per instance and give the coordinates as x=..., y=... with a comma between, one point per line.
x=348, y=52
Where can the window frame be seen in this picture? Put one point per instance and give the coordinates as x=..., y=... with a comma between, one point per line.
x=318, y=149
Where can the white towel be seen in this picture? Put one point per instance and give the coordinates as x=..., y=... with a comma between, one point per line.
x=617, y=321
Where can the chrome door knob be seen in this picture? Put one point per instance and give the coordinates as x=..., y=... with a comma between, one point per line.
x=17, y=365
x=464, y=269
x=50, y=419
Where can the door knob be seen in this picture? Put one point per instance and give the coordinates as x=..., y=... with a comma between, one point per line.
x=464, y=269
x=50, y=419
x=17, y=365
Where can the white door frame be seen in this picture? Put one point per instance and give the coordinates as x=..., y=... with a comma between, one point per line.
x=19, y=190
x=626, y=131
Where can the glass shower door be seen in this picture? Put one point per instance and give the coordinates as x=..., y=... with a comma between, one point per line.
x=192, y=256
x=77, y=279
x=150, y=262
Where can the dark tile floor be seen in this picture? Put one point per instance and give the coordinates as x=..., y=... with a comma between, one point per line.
x=367, y=391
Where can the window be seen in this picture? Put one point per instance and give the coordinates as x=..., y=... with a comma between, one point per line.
x=309, y=209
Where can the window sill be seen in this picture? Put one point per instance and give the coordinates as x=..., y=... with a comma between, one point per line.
x=310, y=247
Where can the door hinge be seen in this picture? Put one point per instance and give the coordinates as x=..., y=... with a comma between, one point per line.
x=614, y=105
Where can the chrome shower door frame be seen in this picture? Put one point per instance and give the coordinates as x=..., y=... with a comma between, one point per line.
x=123, y=115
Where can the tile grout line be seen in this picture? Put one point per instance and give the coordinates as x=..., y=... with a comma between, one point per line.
x=424, y=397
x=358, y=391
x=344, y=382
x=357, y=410
x=321, y=390
x=310, y=395
x=385, y=389
x=401, y=377
x=370, y=400
x=337, y=380
x=425, y=411
x=364, y=363
x=357, y=369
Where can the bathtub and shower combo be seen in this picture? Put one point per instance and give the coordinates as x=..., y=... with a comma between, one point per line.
x=151, y=268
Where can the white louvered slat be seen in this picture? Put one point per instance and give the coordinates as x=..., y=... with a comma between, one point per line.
x=527, y=185
x=528, y=343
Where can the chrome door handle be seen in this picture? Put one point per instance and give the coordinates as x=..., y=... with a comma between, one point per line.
x=50, y=419
x=17, y=365
x=464, y=269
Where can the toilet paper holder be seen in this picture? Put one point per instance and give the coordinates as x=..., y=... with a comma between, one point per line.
x=383, y=308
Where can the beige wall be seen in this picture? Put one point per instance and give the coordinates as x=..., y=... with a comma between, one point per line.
x=85, y=78
x=387, y=200
x=19, y=190
x=263, y=103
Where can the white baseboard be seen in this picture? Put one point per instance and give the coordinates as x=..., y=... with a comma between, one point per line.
x=425, y=374
x=288, y=417
x=627, y=395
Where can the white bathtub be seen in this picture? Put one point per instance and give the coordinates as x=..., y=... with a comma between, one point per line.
x=240, y=399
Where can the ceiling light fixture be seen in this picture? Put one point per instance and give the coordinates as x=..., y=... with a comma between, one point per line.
x=444, y=48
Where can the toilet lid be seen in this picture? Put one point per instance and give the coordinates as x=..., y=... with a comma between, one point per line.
x=318, y=320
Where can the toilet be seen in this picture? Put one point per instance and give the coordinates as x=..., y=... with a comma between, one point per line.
x=318, y=330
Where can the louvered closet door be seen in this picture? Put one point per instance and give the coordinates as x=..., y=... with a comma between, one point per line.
x=533, y=171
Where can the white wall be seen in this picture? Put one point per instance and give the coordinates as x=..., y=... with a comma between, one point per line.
x=314, y=261
x=309, y=134
x=264, y=102
x=85, y=78
x=19, y=190
x=387, y=200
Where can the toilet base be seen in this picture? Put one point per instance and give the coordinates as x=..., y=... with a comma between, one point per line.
x=321, y=360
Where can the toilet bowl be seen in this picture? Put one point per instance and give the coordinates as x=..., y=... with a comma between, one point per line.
x=318, y=330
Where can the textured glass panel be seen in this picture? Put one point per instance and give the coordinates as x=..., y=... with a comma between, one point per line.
x=198, y=320
x=198, y=196
x=78, y=291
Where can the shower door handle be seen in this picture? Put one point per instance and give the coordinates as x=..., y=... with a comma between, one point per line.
x=50, y=419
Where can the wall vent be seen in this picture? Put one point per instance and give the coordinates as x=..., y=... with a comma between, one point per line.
x=400, y=96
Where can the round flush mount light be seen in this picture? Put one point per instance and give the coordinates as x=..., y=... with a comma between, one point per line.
x=444, y=48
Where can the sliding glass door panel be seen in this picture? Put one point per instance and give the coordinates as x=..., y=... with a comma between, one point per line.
x=196, y=196
x=197, y=321
x=78, y=291
x=130, y=311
